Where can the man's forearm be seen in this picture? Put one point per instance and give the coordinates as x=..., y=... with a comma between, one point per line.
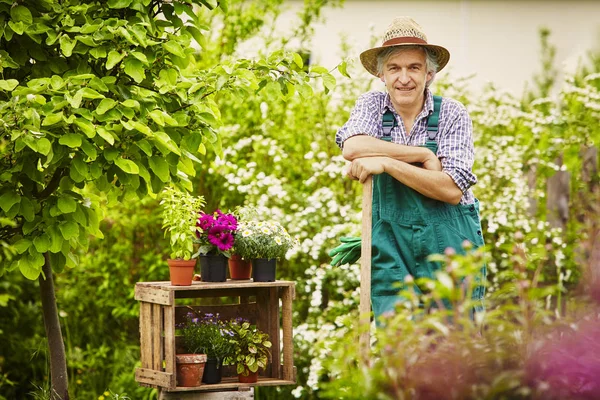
x=368, y=146
x=433, y=184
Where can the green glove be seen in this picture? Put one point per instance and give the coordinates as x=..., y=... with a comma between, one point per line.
x=346, y=253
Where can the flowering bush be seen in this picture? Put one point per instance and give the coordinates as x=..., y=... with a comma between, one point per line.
x=215, y=232
x=258, y=239
x=206, y=335
x=250, y=347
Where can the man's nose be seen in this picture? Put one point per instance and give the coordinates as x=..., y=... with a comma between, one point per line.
x=403, y=77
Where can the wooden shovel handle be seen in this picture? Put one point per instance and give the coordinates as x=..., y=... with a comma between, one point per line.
x=365, y=271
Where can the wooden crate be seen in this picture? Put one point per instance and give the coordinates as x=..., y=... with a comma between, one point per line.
x=257, y=302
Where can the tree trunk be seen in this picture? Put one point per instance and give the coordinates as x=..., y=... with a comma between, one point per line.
x=58, y=361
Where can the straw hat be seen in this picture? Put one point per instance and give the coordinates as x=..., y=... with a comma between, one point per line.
x=403, y=31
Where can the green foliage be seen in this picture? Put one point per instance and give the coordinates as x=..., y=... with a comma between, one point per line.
x=110, y=96
x=180, y=212
x=262, y=239
x=250, y=347
x=206, y=334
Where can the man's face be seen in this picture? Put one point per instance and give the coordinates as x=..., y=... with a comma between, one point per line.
x=405, y=75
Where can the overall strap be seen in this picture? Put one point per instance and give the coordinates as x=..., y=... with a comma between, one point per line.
x=388, y=122
x=432, y=121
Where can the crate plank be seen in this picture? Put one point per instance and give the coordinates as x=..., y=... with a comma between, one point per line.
x=232, y=383
x=146, y=334
x=153, y=294
x=288, y=342
x=247, y=394
x=152, y=377
x=157, y=329
x=169, y=343
x=273, y=331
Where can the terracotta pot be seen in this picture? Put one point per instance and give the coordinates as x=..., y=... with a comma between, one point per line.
x=252, y=377
x=263, y=269
x=239, y=268
x=190, y=369
x=182, y=272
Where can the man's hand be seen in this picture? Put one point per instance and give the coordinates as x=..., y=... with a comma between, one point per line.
x=362, y=168
x=431, y=162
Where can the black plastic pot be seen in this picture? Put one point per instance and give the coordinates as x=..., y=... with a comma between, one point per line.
x=213, y=268
x=263, y=269
x=212, y=371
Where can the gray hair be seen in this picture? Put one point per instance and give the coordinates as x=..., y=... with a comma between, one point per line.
x=431, y=63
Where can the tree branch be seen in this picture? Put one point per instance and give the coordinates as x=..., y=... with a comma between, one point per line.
x=52, y=185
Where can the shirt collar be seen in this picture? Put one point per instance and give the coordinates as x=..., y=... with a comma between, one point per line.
x=427, y=109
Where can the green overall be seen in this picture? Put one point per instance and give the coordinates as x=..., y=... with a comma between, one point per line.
x=407, y=227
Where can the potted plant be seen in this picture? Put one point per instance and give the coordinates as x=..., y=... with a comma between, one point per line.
x=250, y=349
x=208, y=334
x=190, y=365
x=215, y=236
x=241, y=268
x=179, y=214
x=263, y=242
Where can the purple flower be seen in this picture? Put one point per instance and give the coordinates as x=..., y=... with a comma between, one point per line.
x=205, y=222
x=223, y=241
x=227, y=221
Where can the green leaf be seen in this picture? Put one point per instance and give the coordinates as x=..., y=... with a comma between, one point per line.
x=17, y=27
x=329, y=81
x=160, y=167
x=113, y=59
x=67, y=45
x=21, y=13
x=343, y=68
x=157, y=116
x=22, y=245
x=9, y=199
x=106, y=135
x=105, y=105
x=9, y=85
x=129, y=103
x=135, y=69
x=30, y=266
x=88, y=93
x=142, y=128
x=165, y=140
x=41, y=243
x=145, y=146
x=140, y=56
x=52, y=119
x=57, y=261
x=72, y=140
x=27, y=209
x=89, y=150
x=119, y=3
x=69, y=230
x=298, y=60
x=66, y=204
x=317, y=69
x=56, y=239
x=175, y=48
x=86, y=126
x=127, y=166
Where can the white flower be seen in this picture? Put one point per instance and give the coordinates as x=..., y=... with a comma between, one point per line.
x=278, y=240
x=265, y=230
x=246, y=233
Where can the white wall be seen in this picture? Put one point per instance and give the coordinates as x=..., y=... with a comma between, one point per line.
x=496, y=40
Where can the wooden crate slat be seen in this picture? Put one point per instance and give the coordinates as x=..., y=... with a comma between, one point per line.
x=288, y=341
x=169, y=343
x=274, y=331
x=146, y=334
x=153, y=294
x=232, y=383
x=199, y=293
x=152, y=377
x=157, y=328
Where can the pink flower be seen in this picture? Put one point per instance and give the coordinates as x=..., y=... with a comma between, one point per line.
x=205, y=222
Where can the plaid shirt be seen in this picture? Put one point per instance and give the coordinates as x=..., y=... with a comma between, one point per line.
x=454, y=138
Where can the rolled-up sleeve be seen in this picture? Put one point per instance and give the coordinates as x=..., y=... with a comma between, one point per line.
x=455, y=148
x=363, y=119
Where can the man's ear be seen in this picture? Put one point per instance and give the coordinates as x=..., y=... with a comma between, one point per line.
x=382, y=78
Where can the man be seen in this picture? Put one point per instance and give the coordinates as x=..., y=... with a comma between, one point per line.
x=419, y=149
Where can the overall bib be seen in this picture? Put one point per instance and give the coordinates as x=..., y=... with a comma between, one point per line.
x=407, y=227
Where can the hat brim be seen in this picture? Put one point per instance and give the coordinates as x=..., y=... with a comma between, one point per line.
x=368, y=58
